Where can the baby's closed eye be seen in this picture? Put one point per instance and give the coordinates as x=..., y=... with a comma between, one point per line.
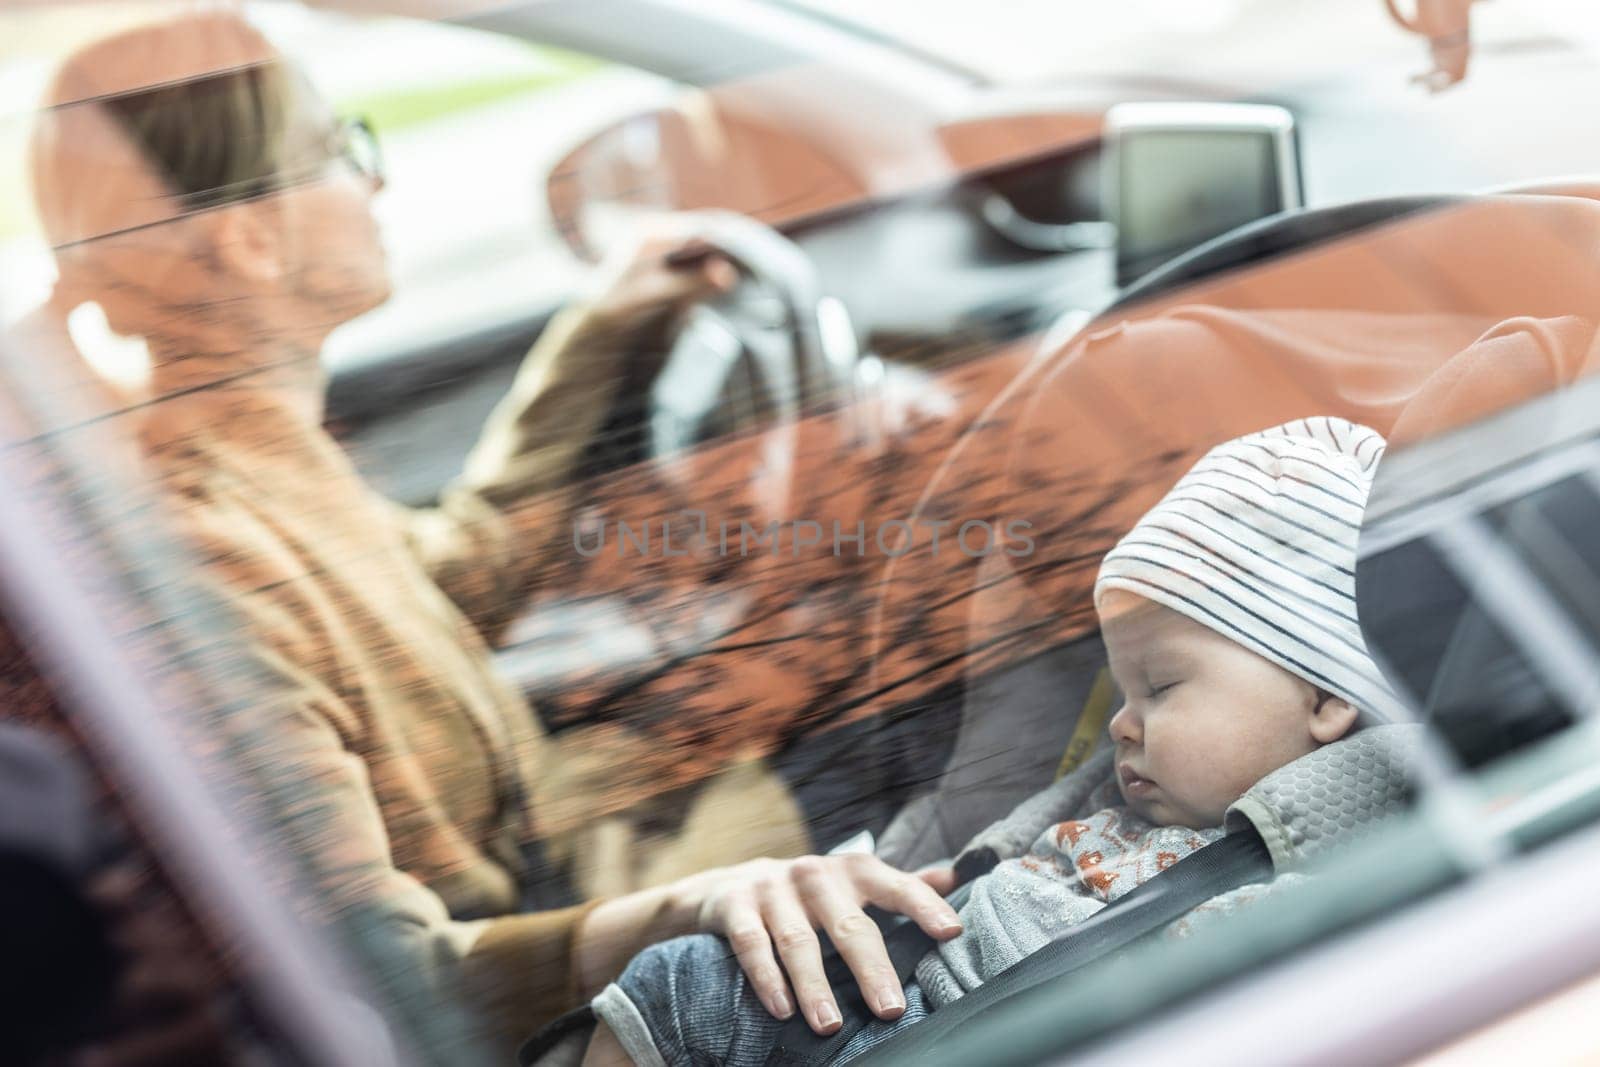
x=1155, y=689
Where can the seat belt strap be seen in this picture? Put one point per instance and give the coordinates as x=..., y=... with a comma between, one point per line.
x=1237, y=859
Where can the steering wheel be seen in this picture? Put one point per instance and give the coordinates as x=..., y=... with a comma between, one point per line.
x=773, y=348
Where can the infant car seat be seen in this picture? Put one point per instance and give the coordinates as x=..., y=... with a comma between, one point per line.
x=1350, y=310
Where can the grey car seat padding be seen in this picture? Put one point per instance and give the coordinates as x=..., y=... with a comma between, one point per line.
x=1299, y=809
x=1332, y=795
x=1233, y=861
x=1289, y=818
x=1015, y=724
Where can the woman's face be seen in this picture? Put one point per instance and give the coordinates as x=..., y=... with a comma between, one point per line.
x=333, y=255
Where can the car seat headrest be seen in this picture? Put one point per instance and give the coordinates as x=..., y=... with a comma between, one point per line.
x=1328, y=796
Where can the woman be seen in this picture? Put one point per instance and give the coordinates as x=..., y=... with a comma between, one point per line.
x=224, y=217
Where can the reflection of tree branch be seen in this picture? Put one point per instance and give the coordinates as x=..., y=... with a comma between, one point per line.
x=1013, y=575
x=836, y=593
x=812, y=718
x=601, y=709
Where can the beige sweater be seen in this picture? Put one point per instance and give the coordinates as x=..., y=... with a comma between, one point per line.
x=423, y=771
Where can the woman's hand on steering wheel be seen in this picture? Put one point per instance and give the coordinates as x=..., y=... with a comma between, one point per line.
x=770, y=910
x=657, y=276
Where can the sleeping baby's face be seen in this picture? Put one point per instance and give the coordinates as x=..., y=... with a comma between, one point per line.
x=1203, y=718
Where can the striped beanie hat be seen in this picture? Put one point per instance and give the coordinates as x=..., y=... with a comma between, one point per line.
x=1258, y=542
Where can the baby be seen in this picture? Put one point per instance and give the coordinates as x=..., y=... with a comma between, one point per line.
x=1229, y=619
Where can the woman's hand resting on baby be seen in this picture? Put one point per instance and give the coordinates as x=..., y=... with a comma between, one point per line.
x=771, y=910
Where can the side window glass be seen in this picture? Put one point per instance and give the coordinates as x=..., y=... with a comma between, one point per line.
x=470, y=125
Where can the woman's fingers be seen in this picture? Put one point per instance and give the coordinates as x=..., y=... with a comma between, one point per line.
x=746, y=932
x=777, y=910
x=909, y=895
x=690, y=270
x=941, y=879
x=720, y=274
x=834, y=902
x=666, y=267
x=790, y=927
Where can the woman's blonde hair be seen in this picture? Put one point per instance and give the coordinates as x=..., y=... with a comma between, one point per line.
x=202, y=101
x=138, y=130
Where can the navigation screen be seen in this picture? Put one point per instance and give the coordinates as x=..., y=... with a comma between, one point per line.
x=1179, y=188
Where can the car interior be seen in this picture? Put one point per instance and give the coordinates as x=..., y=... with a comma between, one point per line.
x=1036, y=302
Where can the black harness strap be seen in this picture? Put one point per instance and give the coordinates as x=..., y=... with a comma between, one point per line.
x=580, y=1020
x=798, y=1044
x=1238, y=859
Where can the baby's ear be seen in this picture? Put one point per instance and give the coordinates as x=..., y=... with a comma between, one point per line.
x=1332, y=718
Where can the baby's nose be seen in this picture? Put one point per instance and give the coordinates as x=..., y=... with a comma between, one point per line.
x=1125, y=727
